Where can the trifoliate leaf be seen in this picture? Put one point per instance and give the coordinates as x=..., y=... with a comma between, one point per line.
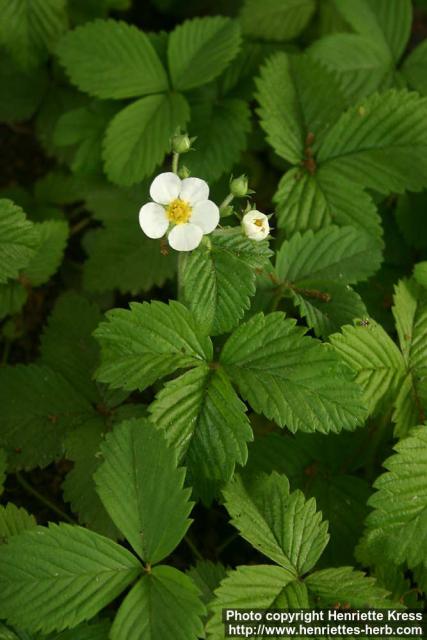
x=312, y=202
x=141, y=615
x=2, y=469
x=14, y=520
x=52, y=239
x=142, y=489
x=24, y=93
x=370, y=351
x=112, y=59
x=54, y=578
x=279, y=20
x=36, y=400
x=205, y=422
x=200, y=49
x=18, y=240
x=396, y=529
x=255, y=587
x=414, y=68
x=148, y=342
x=291, y=378
x=299, y=100
x=380, y=143
x=221, y=129
x=218, y=302
x=13, y=296
x=283, y=526
x=410, y=313
x=29, y=30
x=83, y=128
x=83, y=448
x=346, y=587
x=67, y=344
x=207, y=576
x=139, y=136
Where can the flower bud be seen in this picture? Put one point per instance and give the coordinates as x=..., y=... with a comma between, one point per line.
x=255, y=225
x=239, y=187
x=184, y=172
x=181, y=143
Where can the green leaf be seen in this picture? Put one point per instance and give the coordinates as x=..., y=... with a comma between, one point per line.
x=380, y=143
x=142, y=489
x=200, y=49
x=346, y=586
x=414, y=68
x=306, y=202
x=13, y=296
x=279, y=20
x=221, y=128
x=299, y=100
x=420, y=274
x=67, y=345
x=29, y=30
x=283, y=526
x=14, y=520
x=90, y=631
x=112, y=59
x=369, y=350
x=255, y=587
x=396, y=529
x=207, y=576
x=139, y=136
x=148, y=342
x=24, y=93
x=291, y=378
x=54, y=578
x=217, y=302
x=141, y=616
x=203, y=419
x=52, y=239
x=3, y=465
x=410, y=313
x=83, y=448
x=18, y=240
x=35, y=400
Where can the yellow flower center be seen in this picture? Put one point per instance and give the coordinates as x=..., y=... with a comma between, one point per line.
x=178, y=211
x=258, y=222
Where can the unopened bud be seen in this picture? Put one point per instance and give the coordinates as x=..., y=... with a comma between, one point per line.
x=184, y=172
x=239, y=187
x=181, y=143
x=226, y=211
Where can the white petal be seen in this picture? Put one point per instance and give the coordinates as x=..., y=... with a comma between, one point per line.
x=194, y=190
x=153, y=220
x=185, y=237
x=165, y=187
x=205, y=215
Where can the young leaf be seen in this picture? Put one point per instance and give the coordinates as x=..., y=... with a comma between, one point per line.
x=298, y=100
x=283, y=526
x=255, y=587
x=203, y=419
x=200, y=49
x=346, y=587
x=370, y=351
x=148, y=342
x=291, y=378
x=54, y=578
x=112, y=59
x=67, y=345
x=217, y=302
x=397, y=528
x=142, y=489
x=14, y=520
x=141, y=615
x=36, y=400
x=139, y=136
x=52, y=238
x=380, y=143
x=18, y=240
x=279, y=20
x=30, y=29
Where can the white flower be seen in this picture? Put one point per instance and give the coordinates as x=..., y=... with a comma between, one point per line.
x=255, y=225
x=181, y=206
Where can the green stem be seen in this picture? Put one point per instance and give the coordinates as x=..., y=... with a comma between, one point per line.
x=226, y=201
x=47, y=503
x=80, y=225
x=175, y=162
x=226, y=542
x=193, y=548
